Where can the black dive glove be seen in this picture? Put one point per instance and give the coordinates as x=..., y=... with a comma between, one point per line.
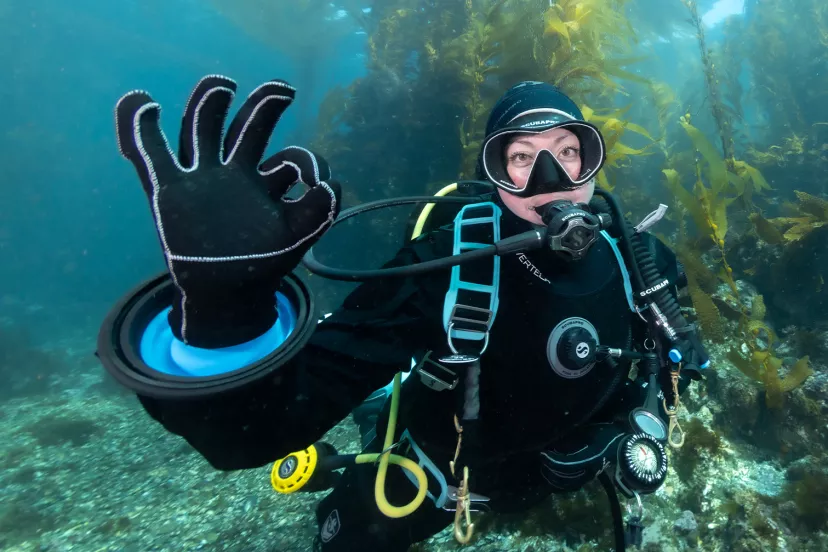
x=229, y=235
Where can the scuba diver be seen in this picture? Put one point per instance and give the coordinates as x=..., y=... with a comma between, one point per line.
x=540, y=330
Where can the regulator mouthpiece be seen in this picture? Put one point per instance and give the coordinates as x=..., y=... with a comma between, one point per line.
x=571, y=228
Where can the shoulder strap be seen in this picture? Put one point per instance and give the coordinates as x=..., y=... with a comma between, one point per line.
x=471, y=303
x=625, y=273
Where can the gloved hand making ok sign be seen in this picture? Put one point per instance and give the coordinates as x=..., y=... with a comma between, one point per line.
x=228, y=233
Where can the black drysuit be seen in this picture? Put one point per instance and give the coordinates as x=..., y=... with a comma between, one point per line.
x=525, y=407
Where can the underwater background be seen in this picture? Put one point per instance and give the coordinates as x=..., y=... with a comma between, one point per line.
x=718, y=109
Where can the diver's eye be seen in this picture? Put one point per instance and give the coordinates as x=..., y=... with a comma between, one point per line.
x=569, y=153
x=520, y=159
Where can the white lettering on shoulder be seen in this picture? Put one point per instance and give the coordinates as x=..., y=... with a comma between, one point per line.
x=524, y=260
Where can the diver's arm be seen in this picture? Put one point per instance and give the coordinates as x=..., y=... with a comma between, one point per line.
x=231, y=240
x=352, y=353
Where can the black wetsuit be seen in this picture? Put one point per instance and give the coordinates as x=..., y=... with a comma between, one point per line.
x=525, y=406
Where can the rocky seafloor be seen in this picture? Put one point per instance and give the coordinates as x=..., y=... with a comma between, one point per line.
x=85, y=469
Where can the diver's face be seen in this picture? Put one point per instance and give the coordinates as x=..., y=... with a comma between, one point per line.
x=520, y=155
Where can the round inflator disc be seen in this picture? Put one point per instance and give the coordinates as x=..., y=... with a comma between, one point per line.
x=292, y=472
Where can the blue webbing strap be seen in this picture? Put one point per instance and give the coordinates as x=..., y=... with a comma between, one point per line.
x=463, y=321
x=625, y=274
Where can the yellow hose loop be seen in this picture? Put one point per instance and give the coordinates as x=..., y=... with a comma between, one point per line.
x=307, y=459
x=421, y=220
x=385, y=457
x=379, y=486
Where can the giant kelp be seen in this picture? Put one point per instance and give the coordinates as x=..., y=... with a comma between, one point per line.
x=712, y=193
x=613, y=127
x=435, y=70
x=414, y=96
x=724, y=98
x=757, y=360
x=786, y=43
x=809, y=214
x=716, y=188
x=720, y=113
x=793, y=274
x=666, y=106
x=708, y=208
x=721, y=180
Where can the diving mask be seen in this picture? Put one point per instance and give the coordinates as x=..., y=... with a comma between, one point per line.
x=547, y=174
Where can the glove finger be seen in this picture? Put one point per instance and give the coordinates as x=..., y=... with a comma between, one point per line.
x=252, y=126
x=203, y=122
x=291, y=165
x=313, y=213
x=141, y=140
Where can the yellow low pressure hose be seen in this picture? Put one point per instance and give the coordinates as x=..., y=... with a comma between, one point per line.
x=385, y=457
x=421, y=220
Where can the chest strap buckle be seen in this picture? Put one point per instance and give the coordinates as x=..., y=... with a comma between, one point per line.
x=443, y=374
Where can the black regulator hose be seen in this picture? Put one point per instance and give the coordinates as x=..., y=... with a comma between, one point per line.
x=473, y=191
x=644, y=270
x=611, y=390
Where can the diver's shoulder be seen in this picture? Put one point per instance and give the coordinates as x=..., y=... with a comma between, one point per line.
x=663, y=255
x=656, y=245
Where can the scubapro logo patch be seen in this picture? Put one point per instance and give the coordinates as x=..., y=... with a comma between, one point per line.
x=287, y=467
x=331, y=527
x=653, y=289
x=538, y=123
x=582, y=349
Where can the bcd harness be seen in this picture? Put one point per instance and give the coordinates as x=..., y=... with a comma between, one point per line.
x=469, y=311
